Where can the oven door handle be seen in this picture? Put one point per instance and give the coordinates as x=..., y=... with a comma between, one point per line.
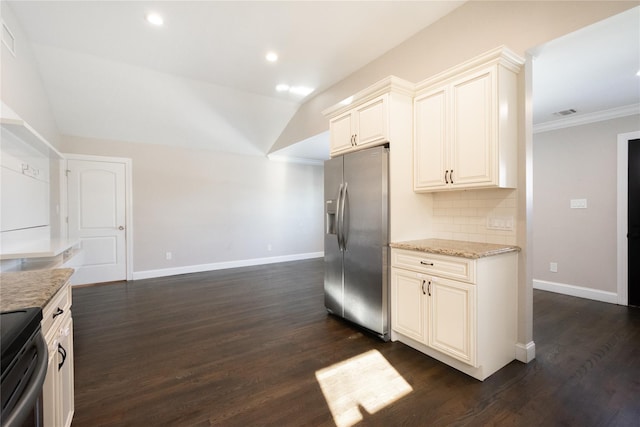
x=32, y=392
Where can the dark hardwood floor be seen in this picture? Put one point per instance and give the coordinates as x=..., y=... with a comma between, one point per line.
x=241, y=347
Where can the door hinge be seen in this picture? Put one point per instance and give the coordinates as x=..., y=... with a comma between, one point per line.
x=66, y=172
x=66, y=219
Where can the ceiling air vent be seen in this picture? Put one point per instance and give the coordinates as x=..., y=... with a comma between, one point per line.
x=565, y=112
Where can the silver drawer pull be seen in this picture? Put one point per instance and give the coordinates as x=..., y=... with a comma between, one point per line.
x=430, y=264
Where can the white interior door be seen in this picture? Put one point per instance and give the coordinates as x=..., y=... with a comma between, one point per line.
x=97, y=217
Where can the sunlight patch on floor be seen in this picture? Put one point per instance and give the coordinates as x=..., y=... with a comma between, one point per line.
x=366, y=381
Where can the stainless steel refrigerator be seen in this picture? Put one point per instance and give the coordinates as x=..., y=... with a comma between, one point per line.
x=356, y=189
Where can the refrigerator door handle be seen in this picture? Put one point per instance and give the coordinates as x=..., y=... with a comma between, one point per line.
x=341, y=212
x=338, y=221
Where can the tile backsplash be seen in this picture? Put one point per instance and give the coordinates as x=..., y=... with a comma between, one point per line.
x=488, y=216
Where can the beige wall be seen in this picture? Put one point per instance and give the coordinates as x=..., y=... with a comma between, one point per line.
x=577, y=163
x=208, y=207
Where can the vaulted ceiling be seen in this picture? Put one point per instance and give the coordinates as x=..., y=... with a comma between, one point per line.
x=201, y=79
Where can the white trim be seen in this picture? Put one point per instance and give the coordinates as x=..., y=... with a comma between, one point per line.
x=290, y=159
x=526, y=352
x=622, y=226
x=500, y=55
x=576, y=291
x=9, y=44
x=583, y=119
x=388, y=84
x=163, y=272
x=128, y=183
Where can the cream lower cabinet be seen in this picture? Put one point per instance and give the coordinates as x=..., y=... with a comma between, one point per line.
x=58, y=391
x=457, y=310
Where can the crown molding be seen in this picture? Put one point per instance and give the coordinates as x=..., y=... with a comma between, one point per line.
x=583, y=119
x=388, y=84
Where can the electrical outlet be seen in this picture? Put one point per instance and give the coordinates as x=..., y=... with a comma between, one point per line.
x=169, y=255
x=553, y=267
x=500, y=223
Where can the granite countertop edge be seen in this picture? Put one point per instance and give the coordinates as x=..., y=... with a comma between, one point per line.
x=458, y=248
x=25, y=289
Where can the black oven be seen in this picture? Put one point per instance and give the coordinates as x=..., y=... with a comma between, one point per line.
x=23, y=367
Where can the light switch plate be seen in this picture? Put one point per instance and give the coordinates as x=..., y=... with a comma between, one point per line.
x=578, y=203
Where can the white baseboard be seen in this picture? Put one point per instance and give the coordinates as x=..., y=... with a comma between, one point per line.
x=163, y=272
x=576, y=291
x=526, y=352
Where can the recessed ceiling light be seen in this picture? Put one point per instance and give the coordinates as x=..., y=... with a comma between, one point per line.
x=155, y=19
x=271, y=56
x=301, y=90
x=347, y=101
x=296, y=90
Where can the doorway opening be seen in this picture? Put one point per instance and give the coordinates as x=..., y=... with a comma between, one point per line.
x=629, y=218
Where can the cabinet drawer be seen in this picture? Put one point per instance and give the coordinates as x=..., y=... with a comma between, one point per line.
x=53, y=312
x=438, y=265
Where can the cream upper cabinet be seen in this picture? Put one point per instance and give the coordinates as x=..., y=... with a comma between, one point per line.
x=341, y=133
x=361, y=127
x=431, y=153
x=373, y=116
x=465, y=125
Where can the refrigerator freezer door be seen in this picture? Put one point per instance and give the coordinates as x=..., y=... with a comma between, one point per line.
x=365, y=237
x=333, y=291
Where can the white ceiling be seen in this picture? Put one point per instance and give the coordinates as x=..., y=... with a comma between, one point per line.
x=590, y=70
x=201, y=80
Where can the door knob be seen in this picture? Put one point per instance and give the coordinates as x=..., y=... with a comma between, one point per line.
x=121, y=228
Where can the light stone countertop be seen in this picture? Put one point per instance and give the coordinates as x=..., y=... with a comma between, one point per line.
x=472, y=250
x=23, y=289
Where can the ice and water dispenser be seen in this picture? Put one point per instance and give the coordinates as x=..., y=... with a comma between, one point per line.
x=330, y=216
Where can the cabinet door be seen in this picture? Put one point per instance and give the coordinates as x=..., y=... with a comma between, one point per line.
x=452, y=319
x=50, y=393
x=408, y=304
x=340, y=130
x=430, y=141
x=474, y=134
x=64, y=369
x=372, y=122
